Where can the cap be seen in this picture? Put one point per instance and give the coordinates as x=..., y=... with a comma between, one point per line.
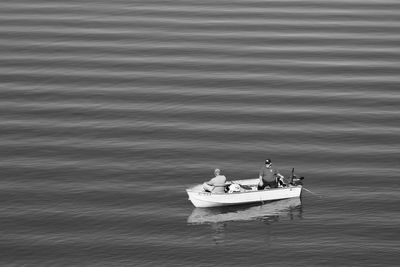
x=268, y=161
x=217, y=171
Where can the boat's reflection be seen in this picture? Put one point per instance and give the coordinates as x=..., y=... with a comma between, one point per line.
x=268, y=212
x=219, y=218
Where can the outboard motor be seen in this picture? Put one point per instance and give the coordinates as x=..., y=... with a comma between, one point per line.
x=294, y=180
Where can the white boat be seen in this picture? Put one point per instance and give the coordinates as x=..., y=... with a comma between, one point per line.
x=279, y=208
x=203, y=199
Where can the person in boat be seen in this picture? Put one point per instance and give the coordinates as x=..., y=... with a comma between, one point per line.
x=269, y=177
x=216, y=184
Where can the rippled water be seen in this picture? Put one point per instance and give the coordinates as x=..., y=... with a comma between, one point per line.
x=110, y=109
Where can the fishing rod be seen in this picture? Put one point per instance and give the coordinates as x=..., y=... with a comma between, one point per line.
x=309, y=191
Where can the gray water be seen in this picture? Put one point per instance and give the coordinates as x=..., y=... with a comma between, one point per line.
x=110, y=109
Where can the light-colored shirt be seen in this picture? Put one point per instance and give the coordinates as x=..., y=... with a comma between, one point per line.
x=216, y=184
x=218, y=180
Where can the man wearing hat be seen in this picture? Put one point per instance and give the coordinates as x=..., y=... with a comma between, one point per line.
x=268, y=176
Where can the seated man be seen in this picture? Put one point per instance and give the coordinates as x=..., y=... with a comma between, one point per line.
x=216, y=184
x=269, y=177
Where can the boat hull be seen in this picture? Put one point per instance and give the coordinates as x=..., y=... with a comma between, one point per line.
x=202, y=199
x=284, y=207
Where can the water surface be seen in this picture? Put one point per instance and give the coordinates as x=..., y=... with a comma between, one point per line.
x=109, y=110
